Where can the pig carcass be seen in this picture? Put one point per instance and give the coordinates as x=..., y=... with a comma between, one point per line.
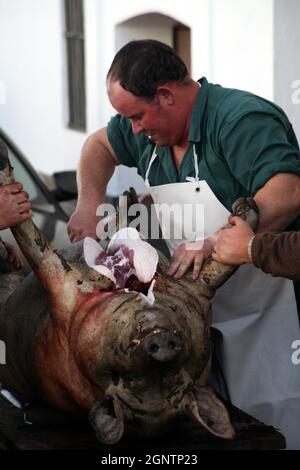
x=80, y=344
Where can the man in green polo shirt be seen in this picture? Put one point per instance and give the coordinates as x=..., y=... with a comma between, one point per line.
x=246, y=147
x=178, y=132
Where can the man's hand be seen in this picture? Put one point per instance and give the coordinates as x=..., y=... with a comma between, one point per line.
x=232, y=242
x=14, y=205
x=188, y=254
x=82, y=223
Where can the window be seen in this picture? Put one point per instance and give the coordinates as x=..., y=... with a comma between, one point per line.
x=76, y=70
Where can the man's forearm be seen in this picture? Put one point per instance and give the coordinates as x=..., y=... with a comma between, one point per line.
x=278, y=202
x=96, y=166
x=95, y=169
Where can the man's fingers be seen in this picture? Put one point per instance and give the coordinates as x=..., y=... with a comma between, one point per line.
x=173, y=268
x=187, y=255
x=24, y=207
x=184, y=264
x=24, y=216
x=77, y=235
x=72, y=236
x=21, y=197
x=197, y=265
x=226, y=226
x=215, y=256
x=183, y=268
x=13, y=188
x=77, y=238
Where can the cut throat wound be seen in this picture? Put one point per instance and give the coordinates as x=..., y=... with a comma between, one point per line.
x=128, y=261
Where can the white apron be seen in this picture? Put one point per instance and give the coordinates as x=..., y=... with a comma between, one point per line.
x=255, y=313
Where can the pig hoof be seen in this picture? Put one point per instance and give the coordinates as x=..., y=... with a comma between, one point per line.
x=163, y=346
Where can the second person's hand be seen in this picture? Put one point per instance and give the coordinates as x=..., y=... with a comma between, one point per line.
x=232, y=242
x=15, y=206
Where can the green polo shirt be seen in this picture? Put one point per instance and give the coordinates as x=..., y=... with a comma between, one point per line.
x=241, y=140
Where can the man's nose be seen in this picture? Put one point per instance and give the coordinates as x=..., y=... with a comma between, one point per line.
x=137, y=128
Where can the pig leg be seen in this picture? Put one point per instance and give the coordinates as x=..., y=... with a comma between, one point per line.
x=60, y=278
x=8, y=283
x=213, y=273
x=9, y=277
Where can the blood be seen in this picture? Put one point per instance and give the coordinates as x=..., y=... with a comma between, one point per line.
x=120, y=261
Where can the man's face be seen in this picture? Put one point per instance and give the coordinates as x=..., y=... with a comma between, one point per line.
x=155, y=118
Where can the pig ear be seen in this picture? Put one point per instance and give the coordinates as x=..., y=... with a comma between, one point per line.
x=107, y=418
x=206, y=409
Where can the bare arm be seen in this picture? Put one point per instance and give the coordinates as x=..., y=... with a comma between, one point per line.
x=278, y=202
x=96, y=166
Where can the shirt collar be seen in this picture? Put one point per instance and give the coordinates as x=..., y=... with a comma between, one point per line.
x=198, y=111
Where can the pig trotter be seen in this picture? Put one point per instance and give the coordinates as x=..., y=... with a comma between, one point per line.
x=6, y=170
x=247, y=209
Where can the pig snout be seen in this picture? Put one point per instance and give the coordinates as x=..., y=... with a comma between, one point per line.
x=162, y=345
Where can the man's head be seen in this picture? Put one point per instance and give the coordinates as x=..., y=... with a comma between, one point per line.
x=141, y=66
x=149, y=84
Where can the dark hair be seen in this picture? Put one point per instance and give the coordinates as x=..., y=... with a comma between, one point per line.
x=141, y=66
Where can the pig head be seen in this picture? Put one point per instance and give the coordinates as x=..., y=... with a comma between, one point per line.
x=85, y=346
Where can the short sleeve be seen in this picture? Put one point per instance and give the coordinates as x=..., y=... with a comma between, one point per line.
x=257, y=146
x=123, y=141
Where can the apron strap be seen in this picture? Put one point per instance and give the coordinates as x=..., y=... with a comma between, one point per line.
x=196, y=163
x=191, y=178
x=188, y=178
x=153, y=157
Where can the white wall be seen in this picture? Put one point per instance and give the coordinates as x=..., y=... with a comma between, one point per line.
x=32, y=67
x=232, y=44
x=287, y=59
x=151, y=25
x=241, y=41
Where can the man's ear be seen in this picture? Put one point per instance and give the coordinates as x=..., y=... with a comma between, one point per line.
x=165, y=95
